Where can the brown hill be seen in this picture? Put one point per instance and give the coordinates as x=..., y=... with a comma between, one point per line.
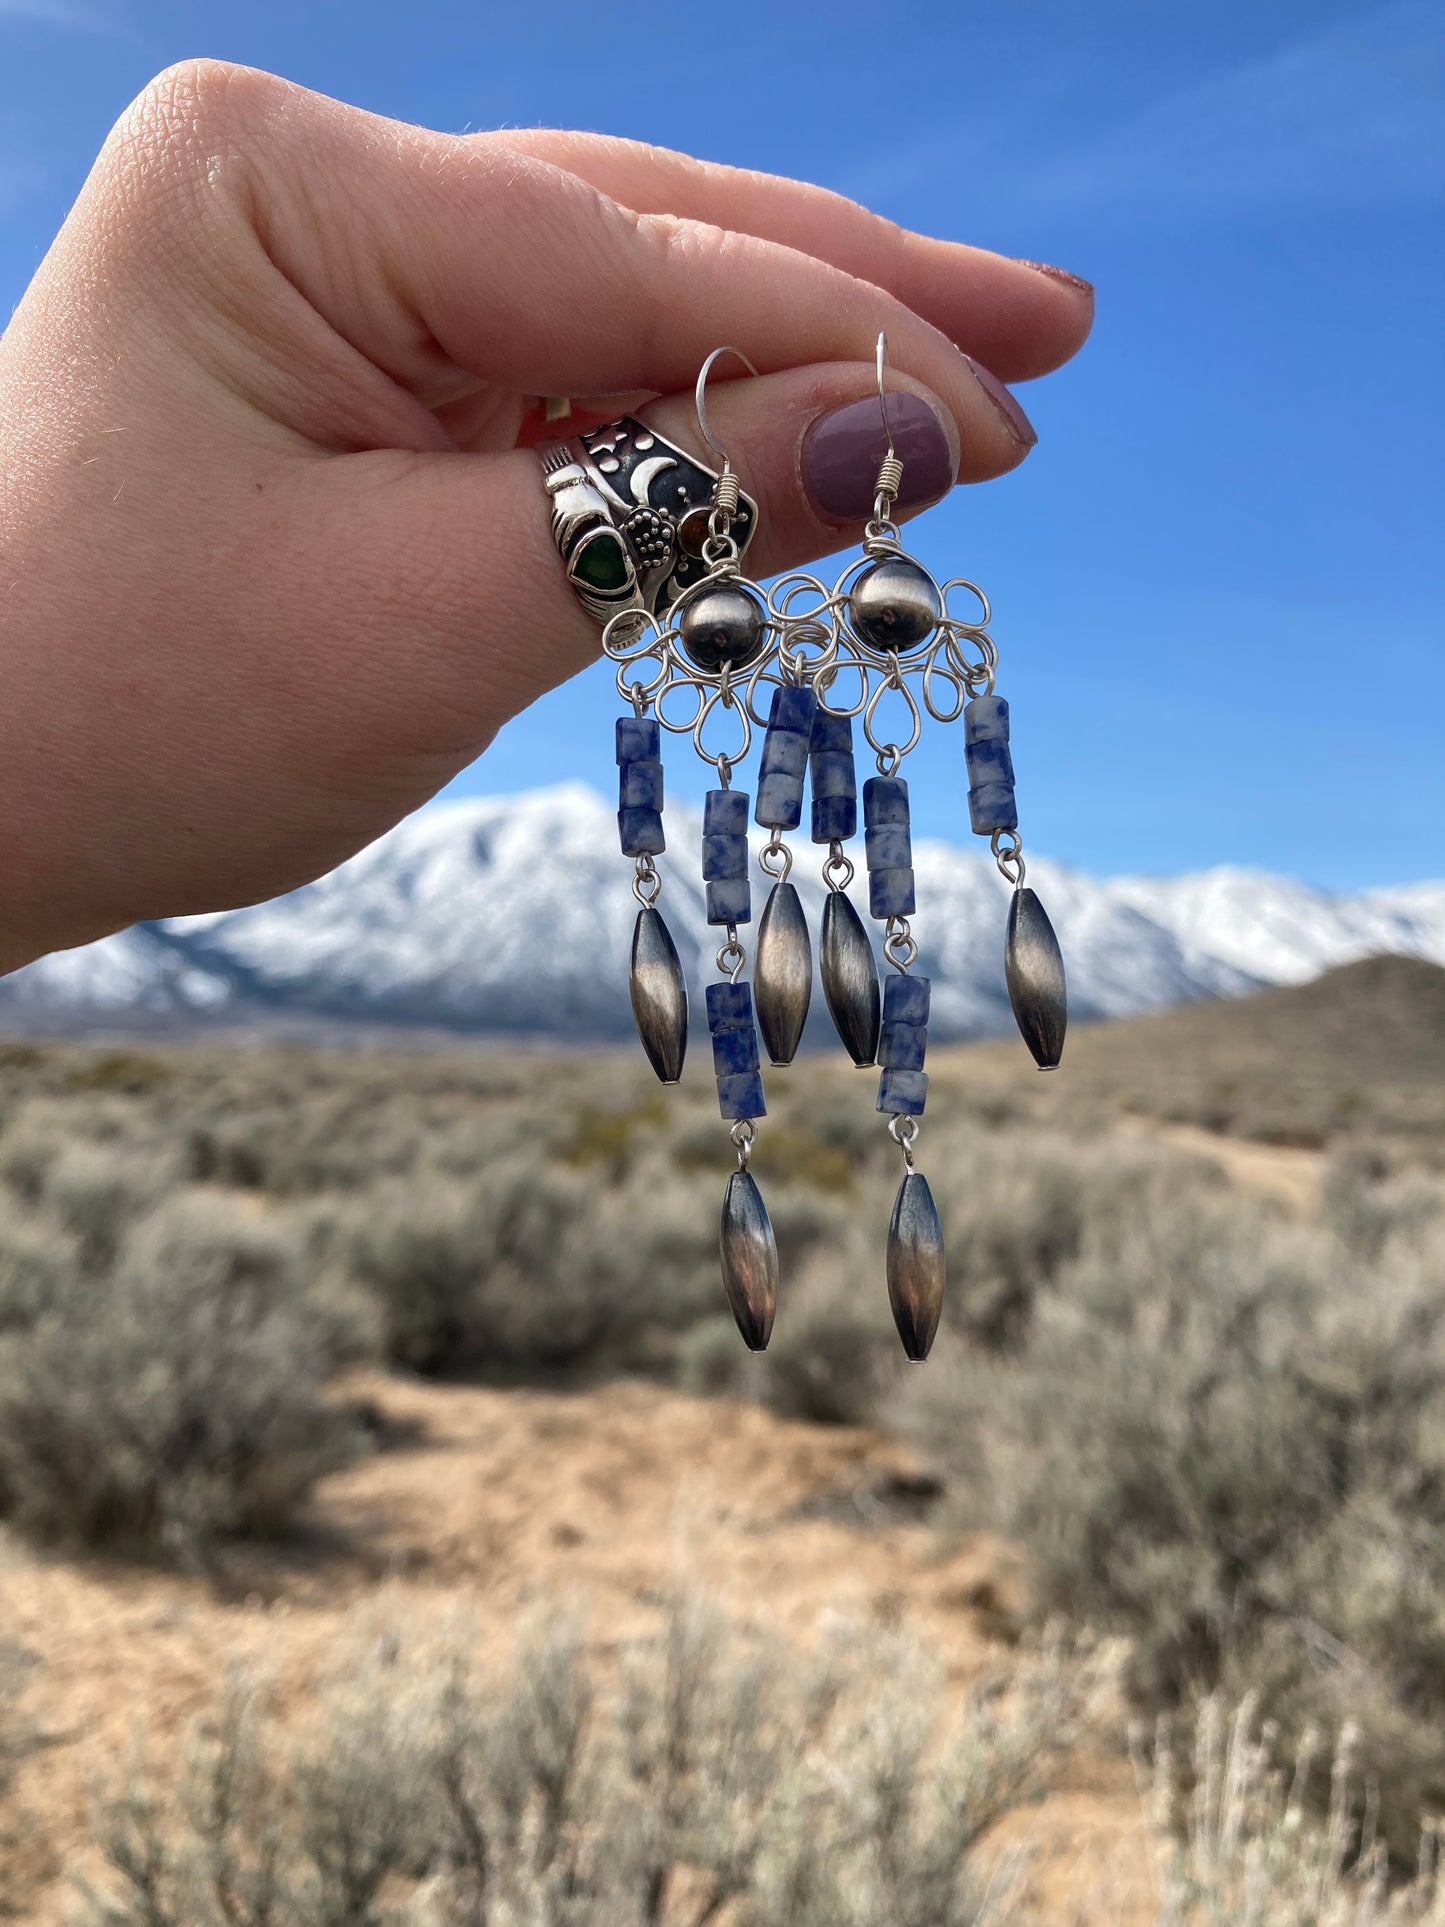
x=1360, y=1050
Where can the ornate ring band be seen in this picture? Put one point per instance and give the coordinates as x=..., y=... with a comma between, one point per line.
x=630, y=514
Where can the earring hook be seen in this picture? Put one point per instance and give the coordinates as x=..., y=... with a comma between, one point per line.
x=702, y=421
x=883, y=391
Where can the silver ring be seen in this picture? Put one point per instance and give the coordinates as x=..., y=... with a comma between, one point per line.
x=630, y=514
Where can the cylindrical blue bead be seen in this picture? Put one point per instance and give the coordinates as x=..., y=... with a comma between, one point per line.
x=835, y=818
x=780, y=802
x=785, y=753
x=993, y=808
x=724, y=858
x=729, y=900
x=729, y=1006
x=888, y=846
x=641, y=832
x=985, y=720
x=906, y=999
x=903, y=1093
x=740, y=1096
x=830, y=773
x=831, y=733
x=885, y=800
x=794, y=707
x=640, y=786
x=639, y=739
x=725, y=813
x=901, y=1047
x=734, y=1051
x=890, y=893
x=989, y=762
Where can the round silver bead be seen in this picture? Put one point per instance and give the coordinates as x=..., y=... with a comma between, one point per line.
x=721, y=625
x=894, y=605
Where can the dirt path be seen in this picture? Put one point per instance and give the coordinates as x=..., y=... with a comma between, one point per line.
x=499, y=1498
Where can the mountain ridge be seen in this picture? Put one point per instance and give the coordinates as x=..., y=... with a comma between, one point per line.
x=512, y=916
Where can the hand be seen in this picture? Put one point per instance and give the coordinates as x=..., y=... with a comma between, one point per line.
x=272, y=566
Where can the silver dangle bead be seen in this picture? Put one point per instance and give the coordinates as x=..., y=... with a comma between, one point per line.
x=1034, y=971
x=850, y=978
x=659, y=995
x=783, y=973
x=916, y=1266
x=749, y=1260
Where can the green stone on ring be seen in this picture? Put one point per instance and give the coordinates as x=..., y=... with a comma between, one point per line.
x=602, y=563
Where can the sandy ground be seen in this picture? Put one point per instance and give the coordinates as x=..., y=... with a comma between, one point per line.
x=491, y=1500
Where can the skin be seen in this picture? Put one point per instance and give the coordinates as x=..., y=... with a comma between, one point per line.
x=272, y=567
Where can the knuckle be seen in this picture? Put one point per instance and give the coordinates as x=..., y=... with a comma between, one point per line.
x=193, y=112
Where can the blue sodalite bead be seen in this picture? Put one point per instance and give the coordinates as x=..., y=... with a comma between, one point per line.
x=906, y=1000
x=903, y=1040
x=724, y=858
x=993, y=808
x=785, y=756
x=889, y=846
x=885, y=800
x=891, y=893
x=640, y=786
x=641, y=832
x=725, y=813
x=729, y=900
x=794, y=707
x=734, y=1051
x=991, y=804
x=830, y=773
x=903, y=1093
x=901, y=1047
x=989, y=762
x=985, y=720
x=729, y=1006
x=835, y=818
x=785, y=753
x=832, y=778
x=639, y=739
x=741, y=1096
x=831, y=733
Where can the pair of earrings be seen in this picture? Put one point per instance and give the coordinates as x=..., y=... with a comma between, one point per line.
x=830, y=657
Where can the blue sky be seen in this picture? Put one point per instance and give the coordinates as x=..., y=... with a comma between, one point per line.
x=1218, y=582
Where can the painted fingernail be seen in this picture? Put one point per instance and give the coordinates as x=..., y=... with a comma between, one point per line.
x=1074, y=281
x=842, y=451
x=1005, y=403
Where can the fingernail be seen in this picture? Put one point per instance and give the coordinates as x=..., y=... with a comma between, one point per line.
x=1074, y=281
x=842, y=451
x=1006, y=403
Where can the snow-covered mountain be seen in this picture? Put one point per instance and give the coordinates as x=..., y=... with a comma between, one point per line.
x=513, y=914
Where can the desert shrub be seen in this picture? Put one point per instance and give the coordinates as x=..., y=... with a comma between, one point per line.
x=1225, y=1435
x=1235, y=1838
x=835, y=1791
x=174, y=1400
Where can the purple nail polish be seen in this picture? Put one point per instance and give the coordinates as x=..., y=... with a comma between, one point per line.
x=1006, y=403
x=1074, y=281
x=842, y=451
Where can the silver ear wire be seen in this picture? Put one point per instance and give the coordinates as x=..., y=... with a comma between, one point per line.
x=890, y=473
x=728, y=490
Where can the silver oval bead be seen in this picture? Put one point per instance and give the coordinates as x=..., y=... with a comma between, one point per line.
x=659, y=995
x=782, y=973
x=749, y=1260
x=1034, y=969
x=916, y=1266
x=850, y=978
